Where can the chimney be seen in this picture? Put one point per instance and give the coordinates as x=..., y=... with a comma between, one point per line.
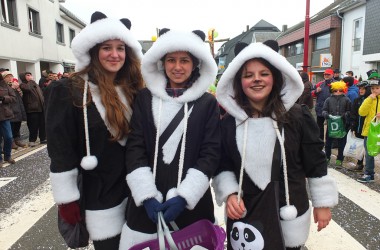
x=284, y=27
x=247, y=27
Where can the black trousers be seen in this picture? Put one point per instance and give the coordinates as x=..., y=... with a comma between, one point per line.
x=36, y=126
x=16, y=129
x=108, y=244
x=321, y=125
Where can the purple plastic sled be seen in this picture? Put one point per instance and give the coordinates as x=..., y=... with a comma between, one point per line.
x=201, y=233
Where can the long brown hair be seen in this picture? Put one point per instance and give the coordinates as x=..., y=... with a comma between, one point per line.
x=274, y=105
x=130, y=80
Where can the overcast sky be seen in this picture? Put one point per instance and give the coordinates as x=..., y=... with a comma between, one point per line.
x=228, y=17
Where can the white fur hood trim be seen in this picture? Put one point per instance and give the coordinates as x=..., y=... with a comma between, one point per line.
x=98, y=32
x=172, y=41
x=323, y=191
x=293, y=85
x=64, y=186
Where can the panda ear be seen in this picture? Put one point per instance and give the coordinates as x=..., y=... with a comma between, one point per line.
x=163, y=31
x=126, y=22
x=200, y=33
x=97, y=15
x=273, y=44
x=239, y=47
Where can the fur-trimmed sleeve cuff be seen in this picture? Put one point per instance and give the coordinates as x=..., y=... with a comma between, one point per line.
x=224, y=184
x=323, y=191
x=142, y=185
x=65, y=186
x=193, y=187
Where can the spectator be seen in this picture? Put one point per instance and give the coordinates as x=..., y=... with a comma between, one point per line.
x=18, y=111
x=65, y=74
x=353, y=90
x=370, y=108
x=34, y=107
x=306, y=98
x=337, y=105
x=357, y=121
x=46, y=79
x=351, y=73
x=322, y=92
x=337, y=75
x=7, y=97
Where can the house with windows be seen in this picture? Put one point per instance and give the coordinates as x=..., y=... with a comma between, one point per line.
x=260, y=32
x=345, y=35
x=36, y=35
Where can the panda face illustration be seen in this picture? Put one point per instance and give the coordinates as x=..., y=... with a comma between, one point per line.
x=246, y=237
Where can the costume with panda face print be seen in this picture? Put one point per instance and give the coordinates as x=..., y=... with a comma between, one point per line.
x=246, y=237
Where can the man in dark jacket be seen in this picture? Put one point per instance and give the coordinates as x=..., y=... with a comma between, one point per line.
x=306, y=98
x=7, y=96
x=34, y=107
x=322, y=92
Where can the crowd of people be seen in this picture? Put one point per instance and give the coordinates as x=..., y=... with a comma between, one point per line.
x=143, y=135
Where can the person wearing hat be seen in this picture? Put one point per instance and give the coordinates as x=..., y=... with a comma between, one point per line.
x=357, y=121
x=337, y=75
x=7, y=97
x=88, y=123
x=370, y=108
x=174, y=147
x=321, y=92
x=268, y=137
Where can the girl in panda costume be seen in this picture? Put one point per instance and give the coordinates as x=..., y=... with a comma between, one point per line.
x=265, y=129
x=174, y=146
x=88, y=114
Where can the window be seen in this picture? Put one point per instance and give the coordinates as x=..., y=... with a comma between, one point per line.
x=322, y=42
x=72, y=35
x=295, y=49
x=8, y=12
x=60, y=34
x=34, y=21
x=358, y=28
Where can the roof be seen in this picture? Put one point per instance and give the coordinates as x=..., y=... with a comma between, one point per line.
x=71, y=15
x=260, y=32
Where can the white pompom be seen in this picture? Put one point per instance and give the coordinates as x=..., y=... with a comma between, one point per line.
x=288, y=212
x=89, y=162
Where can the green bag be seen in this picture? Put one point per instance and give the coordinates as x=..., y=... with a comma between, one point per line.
x=373, y=139
x=336, y=127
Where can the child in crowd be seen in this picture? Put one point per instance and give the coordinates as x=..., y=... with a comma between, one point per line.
x=337, y=104
x=357, y=121
x=370, y=109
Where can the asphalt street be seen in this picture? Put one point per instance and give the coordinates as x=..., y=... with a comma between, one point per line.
x=28, y=215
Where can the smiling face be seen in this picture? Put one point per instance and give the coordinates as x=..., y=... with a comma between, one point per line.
x=178, y=68
x=112, y=56
x=257, y=83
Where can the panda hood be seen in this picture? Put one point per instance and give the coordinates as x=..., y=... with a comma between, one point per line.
x=171, y=41
x=291, y=90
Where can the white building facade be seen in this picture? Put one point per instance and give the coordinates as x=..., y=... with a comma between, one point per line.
x=36, y=35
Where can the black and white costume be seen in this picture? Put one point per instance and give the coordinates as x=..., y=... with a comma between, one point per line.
x=182, y=163
x=75, y=132
x=253, y=140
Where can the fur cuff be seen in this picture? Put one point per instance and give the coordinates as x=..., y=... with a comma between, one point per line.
x=193, y=187
x=107, y=223
x=224, y=184
x=296, y=231
x=142, y=185
x=323, y=191
x=65, y=186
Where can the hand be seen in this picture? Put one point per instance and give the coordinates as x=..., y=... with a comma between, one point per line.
x=173, y=207
x=152, y=207
x=322, y=215
x=235, y=211
x=70, y=212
